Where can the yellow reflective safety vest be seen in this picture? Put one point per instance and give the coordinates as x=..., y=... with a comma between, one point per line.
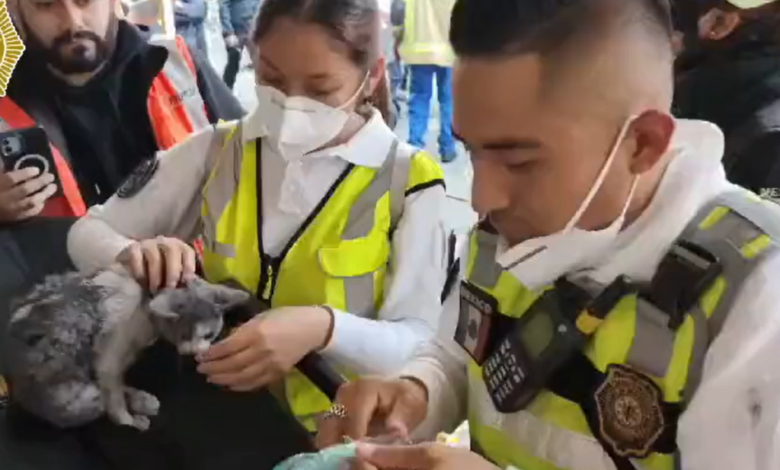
x=426, y=36
x=338, y=257
x=627, y=426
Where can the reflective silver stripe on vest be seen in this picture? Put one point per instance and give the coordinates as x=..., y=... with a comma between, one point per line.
x=178, y=72
x=226, y=158
x=486, y=270
x=653, y=344
x=393, y=177
x=746, y=221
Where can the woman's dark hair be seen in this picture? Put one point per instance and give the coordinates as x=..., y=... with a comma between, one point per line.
x=353, y=23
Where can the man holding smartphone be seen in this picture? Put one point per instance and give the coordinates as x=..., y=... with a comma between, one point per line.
x=109, y=96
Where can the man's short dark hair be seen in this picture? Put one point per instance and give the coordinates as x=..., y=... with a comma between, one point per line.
x=484, y=28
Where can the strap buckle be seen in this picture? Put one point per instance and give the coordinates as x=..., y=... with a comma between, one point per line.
x=683, y=276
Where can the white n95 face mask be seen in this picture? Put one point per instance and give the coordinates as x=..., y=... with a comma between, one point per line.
x=542, y=260
x=297, y=125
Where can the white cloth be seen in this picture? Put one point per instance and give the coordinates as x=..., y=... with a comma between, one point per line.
x=169, y=205
x=733, y=422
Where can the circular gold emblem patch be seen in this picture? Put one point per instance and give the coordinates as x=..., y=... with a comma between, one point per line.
x=11, y=48
x=630, y=412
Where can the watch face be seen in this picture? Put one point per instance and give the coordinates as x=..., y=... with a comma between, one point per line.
x=538, y=333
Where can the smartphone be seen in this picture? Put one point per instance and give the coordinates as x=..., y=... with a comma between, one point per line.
x=23, y=148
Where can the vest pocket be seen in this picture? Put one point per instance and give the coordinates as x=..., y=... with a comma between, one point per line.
x=356, y=257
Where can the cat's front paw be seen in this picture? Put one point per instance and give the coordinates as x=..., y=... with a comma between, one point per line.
x=123, y=418
x=141, y=423
x=141, y=402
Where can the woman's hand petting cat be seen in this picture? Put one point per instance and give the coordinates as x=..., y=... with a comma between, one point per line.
x=265, y=349
x=159, y=262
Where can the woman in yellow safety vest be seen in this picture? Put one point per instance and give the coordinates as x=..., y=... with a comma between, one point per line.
x=310, y=202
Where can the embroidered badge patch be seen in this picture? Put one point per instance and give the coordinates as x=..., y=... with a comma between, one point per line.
x=630, y=412
x=138, y=179
x=11, y=48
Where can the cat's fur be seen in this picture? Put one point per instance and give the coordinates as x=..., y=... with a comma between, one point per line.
x=73, y=337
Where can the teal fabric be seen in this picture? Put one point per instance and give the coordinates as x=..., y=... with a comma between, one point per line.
x=333, y=458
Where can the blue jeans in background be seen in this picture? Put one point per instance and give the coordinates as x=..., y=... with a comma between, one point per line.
x=421, y=89
x=396, y=72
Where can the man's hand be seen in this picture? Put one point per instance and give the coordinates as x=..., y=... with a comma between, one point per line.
x=159, y=262
x=23, y=193
x=420, y=457
x=382, y=407
x=231, y=41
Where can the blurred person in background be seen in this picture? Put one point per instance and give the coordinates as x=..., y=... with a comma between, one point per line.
x=108, y=97
x=395, y=67
x=425, y=49
x=236, y=17
x=190, y=23
x=728, y=72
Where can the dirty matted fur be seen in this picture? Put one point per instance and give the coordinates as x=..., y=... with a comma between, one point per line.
x=73, y=337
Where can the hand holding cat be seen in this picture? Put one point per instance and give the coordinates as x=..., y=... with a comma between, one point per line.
x=159, y=262
x=266, y=348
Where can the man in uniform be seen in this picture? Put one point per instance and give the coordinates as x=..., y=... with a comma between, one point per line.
x=729, y=73
x=619, y=307
x=109, y=96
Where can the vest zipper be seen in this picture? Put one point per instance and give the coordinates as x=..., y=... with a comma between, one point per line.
x=268, y=280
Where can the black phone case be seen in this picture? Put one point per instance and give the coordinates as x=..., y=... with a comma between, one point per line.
x=22, y=148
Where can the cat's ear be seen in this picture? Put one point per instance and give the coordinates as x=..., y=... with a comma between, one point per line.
x=161, y=306
x=227, y=297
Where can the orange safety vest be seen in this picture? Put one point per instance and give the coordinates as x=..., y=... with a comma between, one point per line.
x=175, y=107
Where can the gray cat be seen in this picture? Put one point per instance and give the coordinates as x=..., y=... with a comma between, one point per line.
x=73, y=337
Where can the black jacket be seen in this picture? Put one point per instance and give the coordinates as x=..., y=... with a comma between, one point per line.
x=740, y=92
x=103, y=128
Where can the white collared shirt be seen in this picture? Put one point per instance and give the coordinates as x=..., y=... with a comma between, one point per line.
x=170, y=203
x=733, y=422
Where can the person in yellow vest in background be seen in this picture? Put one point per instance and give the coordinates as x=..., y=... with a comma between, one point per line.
x=619, y=308
x=311, y=203
x=425, y=49
x=108, y=95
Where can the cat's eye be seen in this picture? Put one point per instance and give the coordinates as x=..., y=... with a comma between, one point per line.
x=34, y=339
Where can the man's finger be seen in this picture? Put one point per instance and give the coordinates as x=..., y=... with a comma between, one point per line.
x=42, y=196
x=31, y=212
x=30, y=187
x=397, y=456
x=401, y=413
x=13, y=178
x=360, y=413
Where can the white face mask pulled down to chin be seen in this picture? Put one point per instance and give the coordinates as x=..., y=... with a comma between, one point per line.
x=540, y=261
x=297, y=126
